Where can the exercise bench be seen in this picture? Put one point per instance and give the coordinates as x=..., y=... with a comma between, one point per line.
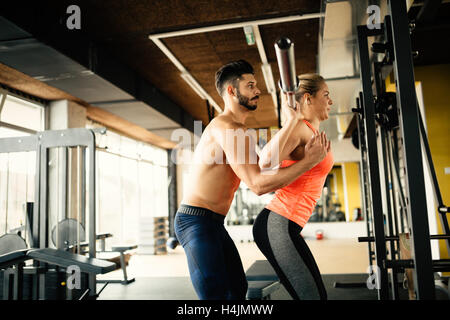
x=51, y=256
x=121, y=250
x=117, y=251
x=262, y=281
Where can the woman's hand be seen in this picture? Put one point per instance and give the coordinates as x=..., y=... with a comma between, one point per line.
x=317, y=148
x=289, y=112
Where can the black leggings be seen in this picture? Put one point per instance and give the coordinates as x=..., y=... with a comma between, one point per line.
x=280, y=241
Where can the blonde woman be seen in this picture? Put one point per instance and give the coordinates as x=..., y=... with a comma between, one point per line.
x=277, y=228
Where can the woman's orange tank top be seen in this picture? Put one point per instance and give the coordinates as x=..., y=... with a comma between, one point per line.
x=296, y=201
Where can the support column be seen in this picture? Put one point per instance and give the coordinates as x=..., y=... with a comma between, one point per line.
x=63, y=163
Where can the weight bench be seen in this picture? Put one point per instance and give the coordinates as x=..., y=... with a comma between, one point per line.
x=121, y=250
x=51, y=256
x=13, y=258
x=64, y=259
x=262, y=280
x=117, y=251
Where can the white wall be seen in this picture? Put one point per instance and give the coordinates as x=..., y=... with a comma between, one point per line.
x=429, y=188
x=344, y=151
x=331, y=230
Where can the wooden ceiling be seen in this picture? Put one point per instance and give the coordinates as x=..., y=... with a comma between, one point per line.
x=124, y=26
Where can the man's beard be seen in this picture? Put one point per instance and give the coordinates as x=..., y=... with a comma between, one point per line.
x=244, y=101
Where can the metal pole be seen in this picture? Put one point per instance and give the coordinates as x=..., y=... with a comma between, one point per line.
x=79, y=202
x=25, y=206
x=58, y=212
x=372, y=154
x=36, y=216
x=7, y=194
x=362, y=173
x=402, y=198
x=437, y=192
x=63, y=173
x=43, y=221
x=172, y=175
x=393, y=250
x=98, y=203
x=395, y=211
x=69, y=182
x=412, y=152
x=92, y=214
x=378, y=80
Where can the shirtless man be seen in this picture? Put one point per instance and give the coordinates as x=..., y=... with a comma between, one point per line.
x=224, y=156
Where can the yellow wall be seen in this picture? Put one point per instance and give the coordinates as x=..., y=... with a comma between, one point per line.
x=435, y=82
x=351, y=170
x=337, y=171
x=436, y=89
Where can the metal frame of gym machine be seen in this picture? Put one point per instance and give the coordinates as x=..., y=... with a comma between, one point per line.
x=41, y=143
x=398, y=57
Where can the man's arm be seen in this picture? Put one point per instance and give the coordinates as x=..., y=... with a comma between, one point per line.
x=285, y=141
x=280, y=146
x=239, y=150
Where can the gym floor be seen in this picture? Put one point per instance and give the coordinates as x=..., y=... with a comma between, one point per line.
x=166, y=277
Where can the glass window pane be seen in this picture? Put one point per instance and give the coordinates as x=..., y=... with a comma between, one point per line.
x=128, y=147
x=11, y=133
x=145, y=182
x=17, y=177
x=160, y=192
x=22, y=113
x=109, y=197
x=130, y=200
x=132, y=184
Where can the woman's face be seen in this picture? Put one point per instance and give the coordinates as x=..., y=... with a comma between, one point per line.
x=321, y=102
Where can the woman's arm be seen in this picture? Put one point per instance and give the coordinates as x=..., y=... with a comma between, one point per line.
x=285, y=141
x=250, y=173
x=280, y=146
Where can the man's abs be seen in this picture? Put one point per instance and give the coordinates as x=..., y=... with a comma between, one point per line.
x=211, y=187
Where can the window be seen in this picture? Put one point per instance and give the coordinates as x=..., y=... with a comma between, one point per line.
x=18, y=117
x=22, y=113
x=132, y=183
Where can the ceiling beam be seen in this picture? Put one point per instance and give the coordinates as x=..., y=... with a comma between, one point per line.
x=2, y=101
x=266, y=68
x=130, y=129
x=99, y=60
x=236, y=25
x=17, y=128
x=186, y=75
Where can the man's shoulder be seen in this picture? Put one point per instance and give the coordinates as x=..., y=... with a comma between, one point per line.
x=223, y=122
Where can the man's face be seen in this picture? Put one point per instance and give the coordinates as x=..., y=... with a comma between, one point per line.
x=247, y=92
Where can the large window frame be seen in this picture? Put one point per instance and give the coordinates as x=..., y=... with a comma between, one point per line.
x=132, y=185
x=9, y=100
x=19, y=116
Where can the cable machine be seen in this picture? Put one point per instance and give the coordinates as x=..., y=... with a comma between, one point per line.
x=390, y=132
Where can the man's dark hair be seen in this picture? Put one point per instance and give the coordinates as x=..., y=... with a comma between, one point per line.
x=231, y=72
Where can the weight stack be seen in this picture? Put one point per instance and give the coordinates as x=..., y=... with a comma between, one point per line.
x=55, y=286
x=153, y=234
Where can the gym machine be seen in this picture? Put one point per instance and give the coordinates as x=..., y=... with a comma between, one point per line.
x=396, y=142
x=54, y=152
